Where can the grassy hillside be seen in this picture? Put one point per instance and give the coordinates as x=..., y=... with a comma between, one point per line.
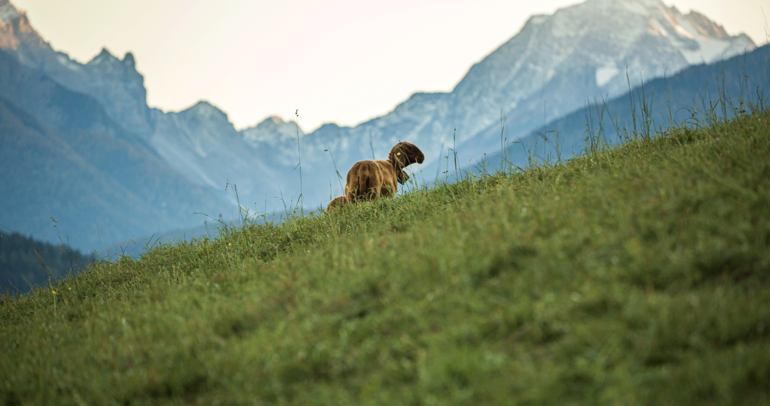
x=630, y=276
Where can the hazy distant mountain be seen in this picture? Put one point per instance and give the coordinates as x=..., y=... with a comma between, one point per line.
x=54, y=104
x=550, y=68
x=203, y=145
x=62, y=156
x=114, y=83
x=556, y=63
x=198, y=142
x=276, y=134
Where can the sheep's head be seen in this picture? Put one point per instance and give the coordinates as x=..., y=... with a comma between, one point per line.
x=402, y=155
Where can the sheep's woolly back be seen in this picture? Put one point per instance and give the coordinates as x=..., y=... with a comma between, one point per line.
x=368, y=180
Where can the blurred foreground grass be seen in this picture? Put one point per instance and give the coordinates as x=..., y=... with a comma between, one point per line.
x=635, y=275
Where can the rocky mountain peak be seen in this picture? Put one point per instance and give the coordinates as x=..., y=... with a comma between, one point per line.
x=706, y=27
x=107, y=63
x=603, y=35
x=113, y=82
x=15, y=27
x=103, y=57
x=206, y=111
x=624, y=3
x=273, y=130
x=8, y=12
x=128, y=60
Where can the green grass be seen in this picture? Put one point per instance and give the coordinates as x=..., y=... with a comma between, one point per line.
x=637, y=275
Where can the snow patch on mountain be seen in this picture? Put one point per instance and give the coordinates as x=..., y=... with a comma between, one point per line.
x=670, y=15
x=708, y=51
x=606, y=73
x=698, y=39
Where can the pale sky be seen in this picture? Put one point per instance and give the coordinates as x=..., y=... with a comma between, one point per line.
x=342, y=61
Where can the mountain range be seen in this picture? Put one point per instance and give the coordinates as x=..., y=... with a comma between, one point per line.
x=694, y=97
x=65, y=159
x=133, y=170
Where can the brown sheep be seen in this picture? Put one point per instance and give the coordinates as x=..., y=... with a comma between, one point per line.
x=338, y=201
x=369, y=180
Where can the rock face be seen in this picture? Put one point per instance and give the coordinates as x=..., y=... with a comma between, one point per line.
x=201, y=143
x=64, y=157
x=597, y=49
x=553, y=66
x=113, y=82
